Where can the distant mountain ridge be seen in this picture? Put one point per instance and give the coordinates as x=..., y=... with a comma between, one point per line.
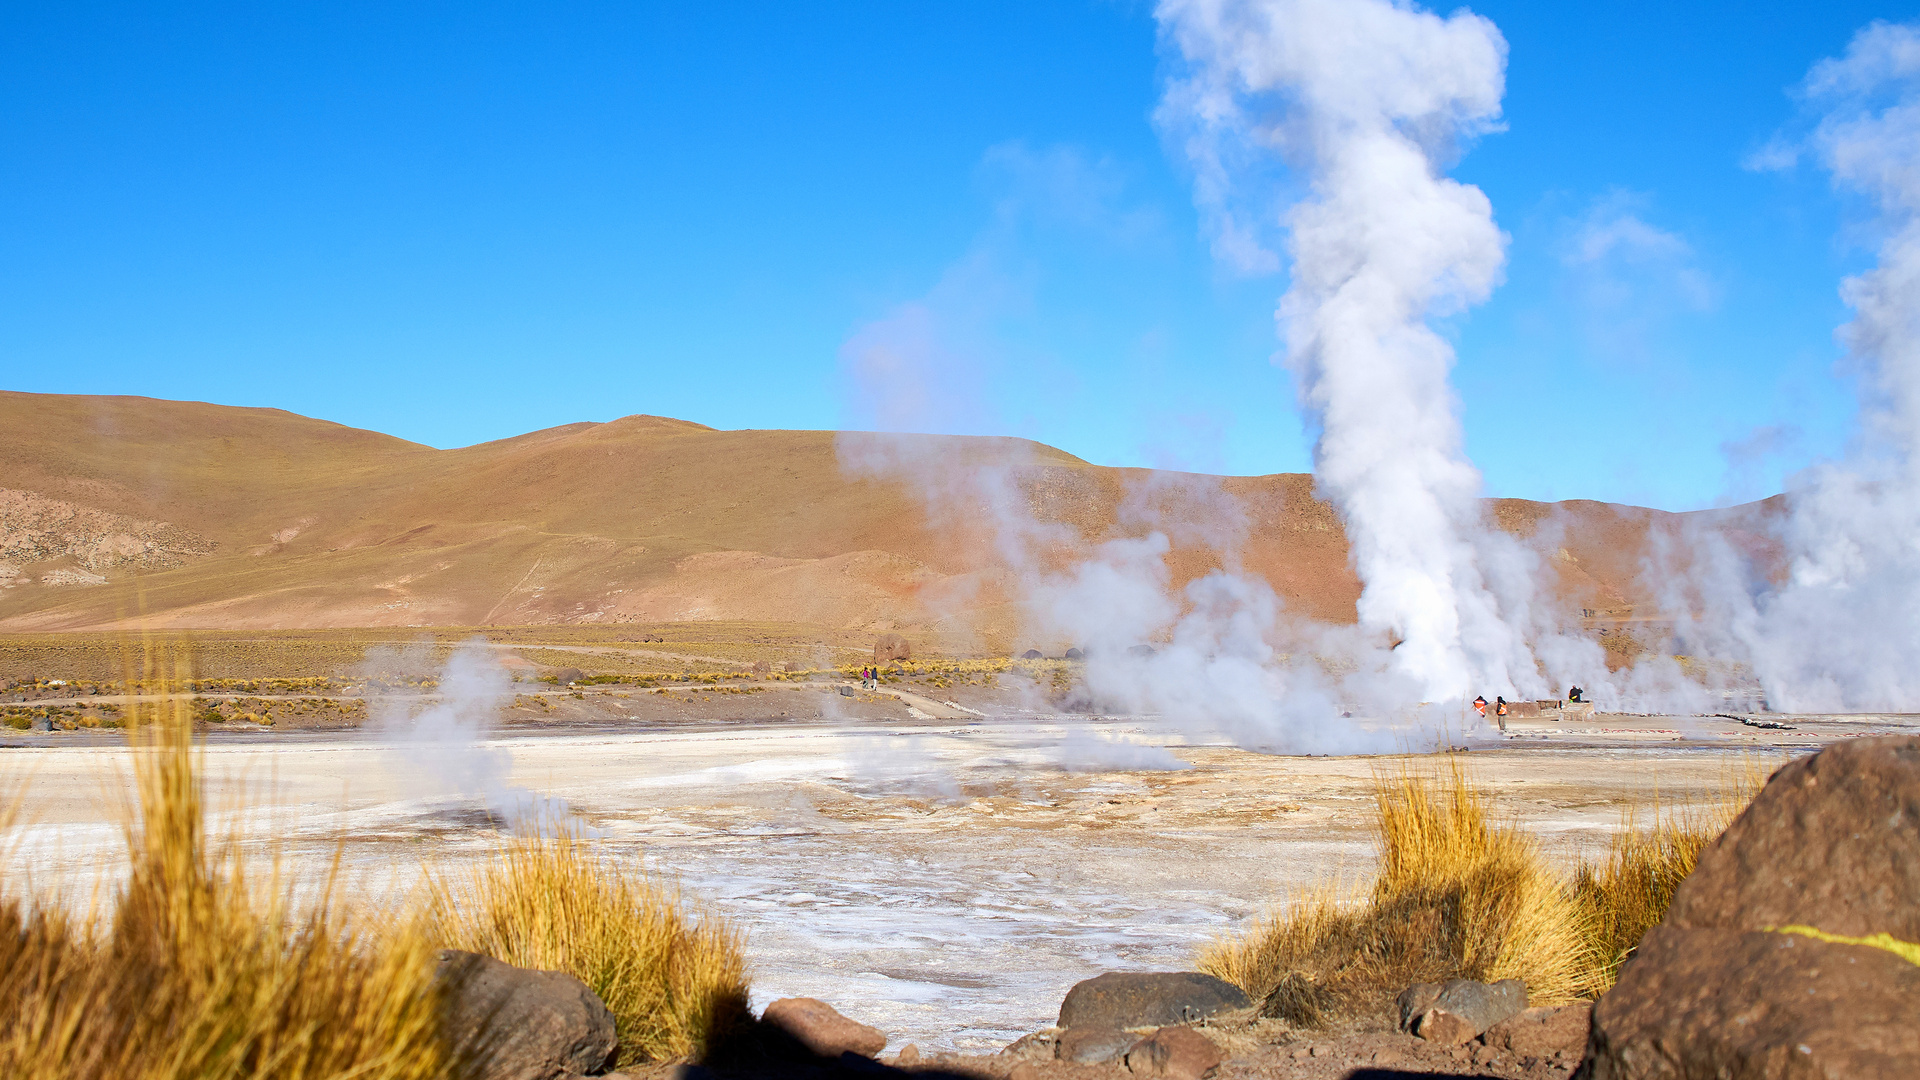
x=116, y=510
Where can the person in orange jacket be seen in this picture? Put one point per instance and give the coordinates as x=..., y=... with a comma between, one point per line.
x=1480, y=705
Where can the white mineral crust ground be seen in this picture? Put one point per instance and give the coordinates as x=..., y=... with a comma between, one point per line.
x=944, y=882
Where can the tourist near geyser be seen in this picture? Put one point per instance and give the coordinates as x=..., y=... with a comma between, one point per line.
x=1228, y=538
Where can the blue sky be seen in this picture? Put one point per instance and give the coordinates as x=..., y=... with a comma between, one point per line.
x=458, y=222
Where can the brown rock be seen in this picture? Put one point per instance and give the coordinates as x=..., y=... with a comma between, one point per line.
x=889, y=647
x=1750, y=1005
x=567, y=676
x=1445, y=1028
x=1148, y=999
x=1025, y=1070
x=908, y=1055
x=815, y=1025
x=515, y=1023
x=1087, y=1045
x=1832, y=841
x=1179, y=1053
x=1542, y=1032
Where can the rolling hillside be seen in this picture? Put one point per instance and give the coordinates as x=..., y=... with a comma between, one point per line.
x=118, y=510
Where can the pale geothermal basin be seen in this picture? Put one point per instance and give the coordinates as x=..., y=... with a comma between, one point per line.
x=944, y=882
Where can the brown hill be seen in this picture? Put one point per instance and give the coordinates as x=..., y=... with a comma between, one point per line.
x=119, y=510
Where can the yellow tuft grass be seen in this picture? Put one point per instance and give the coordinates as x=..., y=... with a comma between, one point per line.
x=1458, y=895
x=1627, y=893
x=675, y=985
x=200, y=972
x=1461, y=895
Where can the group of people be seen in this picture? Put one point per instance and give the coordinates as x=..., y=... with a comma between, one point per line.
x=1500, y=704
x=869, y=678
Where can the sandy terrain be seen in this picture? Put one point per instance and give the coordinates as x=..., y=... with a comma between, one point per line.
x=182, y=514
x=943, y=879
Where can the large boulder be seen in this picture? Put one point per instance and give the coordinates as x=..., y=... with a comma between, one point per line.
x=1752, y=1005
x=1148, y=999
x=1832, y=841
x=890, y=647
x=514, y=1023
x=820, y=1028
x=1778, y=956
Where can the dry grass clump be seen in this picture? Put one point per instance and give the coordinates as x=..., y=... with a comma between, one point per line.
x=674, y=985
x=202, y=972
x=1627, y=893
x=1458, y=896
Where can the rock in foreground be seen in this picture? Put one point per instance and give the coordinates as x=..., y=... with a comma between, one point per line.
x=1458, y=1010
x=519, y=1024
x=1724, y=988
x=1178, y=1053
x=1148, y=999
x=820, y=1028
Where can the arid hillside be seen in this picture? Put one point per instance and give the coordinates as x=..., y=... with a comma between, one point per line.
x=116, y=511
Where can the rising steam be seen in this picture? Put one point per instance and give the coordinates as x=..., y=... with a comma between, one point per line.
x=1839, y=632
x=439, y=744
x=1365, y=103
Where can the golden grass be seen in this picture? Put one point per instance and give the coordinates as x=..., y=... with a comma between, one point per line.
x=1627, y=893
x=674, y=985
x=1460, y=895
x=202, y=972
x=191, y=969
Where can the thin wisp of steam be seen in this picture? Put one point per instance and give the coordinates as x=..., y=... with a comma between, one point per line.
x=439, y=743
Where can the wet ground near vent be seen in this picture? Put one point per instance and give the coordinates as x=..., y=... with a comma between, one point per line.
x=945, y=881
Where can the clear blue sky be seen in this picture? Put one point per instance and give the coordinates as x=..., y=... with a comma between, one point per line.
x=455, y=222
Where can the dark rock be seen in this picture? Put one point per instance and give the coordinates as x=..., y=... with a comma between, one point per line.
x=1075, y=654
x=1458, y=1009
x=815, y=1025
x=514, y=1023
x=1148, y=999
x=1178, y=1053
x=1755, y=1006
x=1719, y=989
x=1091, y=1045
x=1542, y=1032
x=1030, y=654
x=1832, y=841
x=567, y=676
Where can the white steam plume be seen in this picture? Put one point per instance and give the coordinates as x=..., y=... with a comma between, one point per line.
x=441, y=749
x=1840, y=633
x=1366, y=101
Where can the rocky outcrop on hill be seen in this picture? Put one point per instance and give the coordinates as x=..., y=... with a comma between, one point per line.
x=1789, y=950
x=37, y=529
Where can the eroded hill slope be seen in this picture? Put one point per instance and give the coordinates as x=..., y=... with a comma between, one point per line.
x=186, y=514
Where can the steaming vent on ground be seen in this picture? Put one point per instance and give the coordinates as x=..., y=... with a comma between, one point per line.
x=438, y=742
